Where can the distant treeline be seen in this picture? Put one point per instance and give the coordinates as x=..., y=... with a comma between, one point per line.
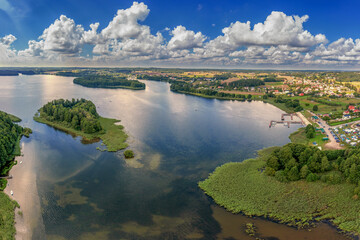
x=246, y=83
x=154, y=78
x=188, y=88
x=224, y=76
x=273, y=79
x=105, y=81
x=348, y=76
x=81, y=73
x=294, y=104
x=79, y=114
x=16, y=72
x=296, y=161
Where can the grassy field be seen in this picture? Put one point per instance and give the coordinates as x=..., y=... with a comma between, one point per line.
x=7, y=217
x=344, y=121
x=300, y=137
x=113, y=135
x=243, y=187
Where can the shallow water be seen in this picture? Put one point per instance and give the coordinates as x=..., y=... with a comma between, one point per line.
x=178, y=140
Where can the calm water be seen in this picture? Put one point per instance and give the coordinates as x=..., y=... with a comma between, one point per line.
x=178, y=140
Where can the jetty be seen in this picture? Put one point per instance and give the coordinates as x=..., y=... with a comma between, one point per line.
x=6, y=177
x=284, y=122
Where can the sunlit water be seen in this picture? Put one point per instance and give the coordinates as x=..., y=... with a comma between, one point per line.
x=177, y=139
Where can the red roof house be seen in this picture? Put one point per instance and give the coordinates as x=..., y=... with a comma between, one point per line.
x=351, y=108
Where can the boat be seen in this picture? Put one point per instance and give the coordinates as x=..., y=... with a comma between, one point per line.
x=12, y=193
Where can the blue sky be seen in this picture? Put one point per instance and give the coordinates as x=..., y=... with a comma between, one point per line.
x=27, y=19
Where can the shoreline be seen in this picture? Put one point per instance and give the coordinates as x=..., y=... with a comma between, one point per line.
x=258, y=212
x=111, y=128
x=25, y=193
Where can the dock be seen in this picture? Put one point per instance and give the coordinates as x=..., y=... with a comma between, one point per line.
x=286, y=123
x=6, y=177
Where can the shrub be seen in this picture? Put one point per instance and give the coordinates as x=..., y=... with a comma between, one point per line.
x=281, y=176
x=312, y=177
x=129, y=154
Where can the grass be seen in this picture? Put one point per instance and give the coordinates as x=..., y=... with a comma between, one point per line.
x=7, y=217
x=113, y=135
x=243, y=187
x=344, y=121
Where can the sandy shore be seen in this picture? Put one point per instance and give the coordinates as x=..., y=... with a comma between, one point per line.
x=23, y=185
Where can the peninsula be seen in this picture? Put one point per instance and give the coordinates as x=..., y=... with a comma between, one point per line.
x=10, y=136
x=80, y=118
x=106, y=81
x=294, y=184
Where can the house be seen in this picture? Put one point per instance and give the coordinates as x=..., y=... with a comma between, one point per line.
x=346, y=113
x=301, y=94
x=351, y=108
x=356, y=111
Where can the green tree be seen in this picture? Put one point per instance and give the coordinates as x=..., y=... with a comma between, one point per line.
x=315, y=108
x=304, y=171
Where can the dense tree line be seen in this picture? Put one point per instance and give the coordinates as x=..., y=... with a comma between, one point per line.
x=154, y=78
x=105, y=81
x=294, y=104
x=272, y=79
x=293, y=162
x=188, y=88
x=10, y=133
x=246, y=83
x=78, y=73
x=79, y=114
x=224, y=76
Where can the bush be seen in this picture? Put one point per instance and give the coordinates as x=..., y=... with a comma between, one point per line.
x=312, y=177
x=315, y=108
x=281, y=176
x=3, y=183
x=129, y=154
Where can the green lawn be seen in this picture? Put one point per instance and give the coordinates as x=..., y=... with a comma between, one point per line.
x=243, y=187
x=112, y=135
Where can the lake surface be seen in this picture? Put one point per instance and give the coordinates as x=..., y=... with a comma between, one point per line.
x=177, y=139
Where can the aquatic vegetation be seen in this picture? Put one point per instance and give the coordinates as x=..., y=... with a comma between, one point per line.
x=7, y=217
x=129, y=154
x=244, y=187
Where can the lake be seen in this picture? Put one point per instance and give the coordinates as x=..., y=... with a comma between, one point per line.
x=77, y=192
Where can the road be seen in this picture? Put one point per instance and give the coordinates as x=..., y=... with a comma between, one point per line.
x=332, y=144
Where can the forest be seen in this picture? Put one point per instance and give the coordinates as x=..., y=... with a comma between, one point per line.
x=154, y=78
x=79, y=114
x=106, y=81
x=188, y=88
x=293, y=162
x=10, y=135
x=246, y=83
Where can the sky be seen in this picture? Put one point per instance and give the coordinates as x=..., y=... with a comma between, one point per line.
x=254, y=34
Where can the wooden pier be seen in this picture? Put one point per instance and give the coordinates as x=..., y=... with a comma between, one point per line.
x=283, y=121
x=6, y=177
x=286, y=123
x=287, y=115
